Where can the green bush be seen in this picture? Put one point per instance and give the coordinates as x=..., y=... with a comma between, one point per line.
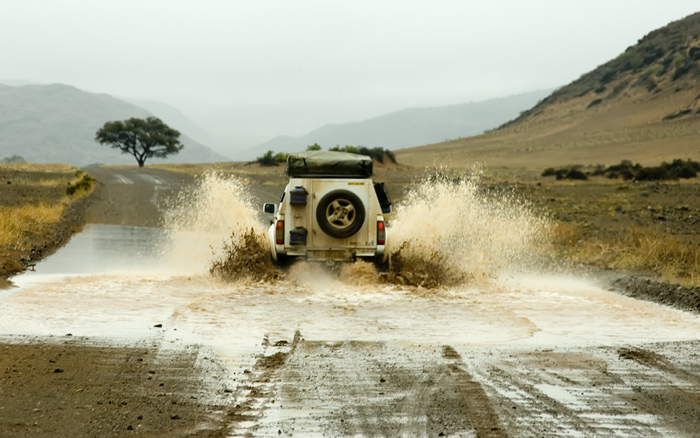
x=81, y=186
x=679, y=60
x=13, y=159
x=568, y=172
x=348, y=149
x=626, y=170
x=281, y=157
x=267, y=159
x=631, y=60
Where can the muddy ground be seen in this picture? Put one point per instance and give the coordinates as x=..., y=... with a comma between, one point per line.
x=70, y=386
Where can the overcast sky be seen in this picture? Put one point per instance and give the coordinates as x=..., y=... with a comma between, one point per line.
x=354, y=59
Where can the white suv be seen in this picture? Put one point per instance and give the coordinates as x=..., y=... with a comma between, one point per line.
x=330, y=210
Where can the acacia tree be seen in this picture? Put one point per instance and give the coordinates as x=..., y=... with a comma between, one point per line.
x=142, y=138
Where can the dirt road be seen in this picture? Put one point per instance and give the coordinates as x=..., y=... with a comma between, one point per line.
x=133, y=196
x=149, y=352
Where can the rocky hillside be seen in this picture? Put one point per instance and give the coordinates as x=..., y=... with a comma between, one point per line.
x=666, y=60
x=57, y=123
x=644, y=105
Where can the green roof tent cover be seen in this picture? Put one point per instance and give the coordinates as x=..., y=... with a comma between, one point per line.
x=328, y=164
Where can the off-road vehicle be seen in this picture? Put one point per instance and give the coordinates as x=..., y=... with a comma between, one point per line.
x=330, y=210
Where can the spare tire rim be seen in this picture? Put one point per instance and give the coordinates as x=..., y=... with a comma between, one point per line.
x=341, y=213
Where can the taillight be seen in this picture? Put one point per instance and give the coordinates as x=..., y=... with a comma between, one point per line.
x=381, y=233
x=279, y=233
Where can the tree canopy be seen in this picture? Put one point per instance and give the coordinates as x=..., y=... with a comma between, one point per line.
x=142, y=138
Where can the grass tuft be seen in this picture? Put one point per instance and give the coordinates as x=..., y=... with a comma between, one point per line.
x=19, y=224
x=637, y=249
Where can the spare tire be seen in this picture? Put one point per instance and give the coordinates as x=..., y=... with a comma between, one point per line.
x=340, y=214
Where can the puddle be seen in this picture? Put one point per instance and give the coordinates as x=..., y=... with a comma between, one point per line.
x=120, y=282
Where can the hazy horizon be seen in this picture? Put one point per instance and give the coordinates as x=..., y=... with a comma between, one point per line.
x=274, y=67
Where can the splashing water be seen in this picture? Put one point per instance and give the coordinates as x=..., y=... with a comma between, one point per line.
x=213, y=222
x=449, y=230
x=245, y=257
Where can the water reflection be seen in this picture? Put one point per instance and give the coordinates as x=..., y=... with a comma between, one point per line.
x=124, y=281
x=106, y=249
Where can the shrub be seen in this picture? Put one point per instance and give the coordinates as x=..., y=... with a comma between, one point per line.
x=83, y=185
x=348, y=149
x=377, y=153
x=679, y=60
x=281, y=157
x=13, y=159
x=653, y=70
x=625, y=169
x=674, y=170
x=570, y=172
x=631, y=60
x=267, y=159
x=594, y=102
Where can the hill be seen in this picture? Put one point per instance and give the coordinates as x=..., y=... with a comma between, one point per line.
x=411, y=127
x=57, y=123
x=643, y=106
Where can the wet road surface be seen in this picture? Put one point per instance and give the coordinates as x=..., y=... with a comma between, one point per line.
x=316, y=356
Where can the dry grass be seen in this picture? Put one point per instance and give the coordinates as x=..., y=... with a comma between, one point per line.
x=19, y=224
x=42, y=175
x=636, y=249
x=26, y=213
x=34, y=167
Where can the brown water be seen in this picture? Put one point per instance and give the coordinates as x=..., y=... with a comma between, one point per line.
x=140, y=286
x=118, y=282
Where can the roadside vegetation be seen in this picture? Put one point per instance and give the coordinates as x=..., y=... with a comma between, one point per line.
x=19, y=224
x=647, y=228
x=677, y=169
x=13, y=159
x=638, y=249
x=33, y=199
x=271, y=158
x=634, y=226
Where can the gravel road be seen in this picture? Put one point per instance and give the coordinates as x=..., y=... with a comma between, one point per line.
x=143, y=353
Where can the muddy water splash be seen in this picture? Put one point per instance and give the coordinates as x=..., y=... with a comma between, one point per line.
x=245, y=257
x=449, y=230
x=216, y=228
x=446, y=232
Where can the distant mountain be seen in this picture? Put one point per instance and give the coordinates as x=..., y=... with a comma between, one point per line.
x=412, y=127
x=57, y=123
x=644, y=106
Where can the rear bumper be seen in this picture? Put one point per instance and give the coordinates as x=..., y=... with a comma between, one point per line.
x=333, y=254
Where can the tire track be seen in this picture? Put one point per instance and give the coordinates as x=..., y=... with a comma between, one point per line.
x=482, y=415
x=352, y=388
